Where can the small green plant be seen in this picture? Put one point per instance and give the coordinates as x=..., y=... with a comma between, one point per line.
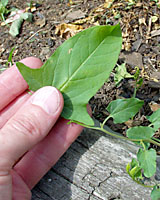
x=3, y=9
x=78, y=68
x=9, y=62
x=121, y=73
x=138, y=80
x=30, y=4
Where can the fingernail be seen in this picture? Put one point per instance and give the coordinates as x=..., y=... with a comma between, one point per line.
x=47, y=98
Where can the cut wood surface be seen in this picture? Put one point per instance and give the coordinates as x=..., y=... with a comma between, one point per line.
x=93, y=168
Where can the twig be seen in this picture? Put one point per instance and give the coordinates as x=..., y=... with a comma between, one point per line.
x=34, y=34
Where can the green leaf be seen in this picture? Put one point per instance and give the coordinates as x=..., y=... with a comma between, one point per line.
x=134, y=170
x=140, y=132
x=16, y=25
x=128, y=167
x=134, y=163
x=78, y=68
x=147, y=160
x=2, y=10
x=155, y=194
x=27, y=16
x=4, y=2
x=121, y=110
x=121, y=73
x=10, y=57
x=155, y=119
x=135, y=173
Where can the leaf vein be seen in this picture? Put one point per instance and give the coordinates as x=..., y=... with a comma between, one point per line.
x=65, y=84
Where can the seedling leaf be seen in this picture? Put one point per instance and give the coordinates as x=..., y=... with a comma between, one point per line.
x=134, y=163
x=78, y=68
x=121, y=110
x=134, y=170
x=121, y=73
x=155, y=119
x=9, y=62
x=3, y=9
x=147, y=160
x=135, y=173
x=128, y=167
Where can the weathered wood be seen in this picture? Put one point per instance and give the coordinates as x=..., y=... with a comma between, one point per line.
x=93, y=168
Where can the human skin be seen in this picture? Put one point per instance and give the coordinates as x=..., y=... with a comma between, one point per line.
x=33, y=136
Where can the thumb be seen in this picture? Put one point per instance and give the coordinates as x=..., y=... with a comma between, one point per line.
x=29, y=125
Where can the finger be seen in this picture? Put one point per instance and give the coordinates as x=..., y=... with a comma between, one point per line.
x=12, y=108
x=25, y=129
x=21, y=190
x=12, y=83
x=46, y=153
x=30, y=124
x=35, y=164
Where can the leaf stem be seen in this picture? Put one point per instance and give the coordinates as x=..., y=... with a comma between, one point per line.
x=135, y=91
x=155, y=139
x=102, y=125
x=143, y=145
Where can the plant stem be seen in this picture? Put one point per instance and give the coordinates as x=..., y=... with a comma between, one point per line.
x=135, y=91
x=102, y=125
x=153, y=142
x=155, y=139
x=147, y=186
x=143, y=145
x=119, y=136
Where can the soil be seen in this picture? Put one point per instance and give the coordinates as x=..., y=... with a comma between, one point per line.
x=140, y=24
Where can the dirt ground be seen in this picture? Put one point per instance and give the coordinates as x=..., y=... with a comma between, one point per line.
x=140, y=24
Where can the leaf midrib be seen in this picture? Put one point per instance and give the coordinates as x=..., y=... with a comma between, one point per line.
x=66, y=83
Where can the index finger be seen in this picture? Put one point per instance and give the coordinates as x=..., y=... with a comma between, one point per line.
x=12, y=83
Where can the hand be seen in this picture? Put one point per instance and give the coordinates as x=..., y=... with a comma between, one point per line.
x=32, y=135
